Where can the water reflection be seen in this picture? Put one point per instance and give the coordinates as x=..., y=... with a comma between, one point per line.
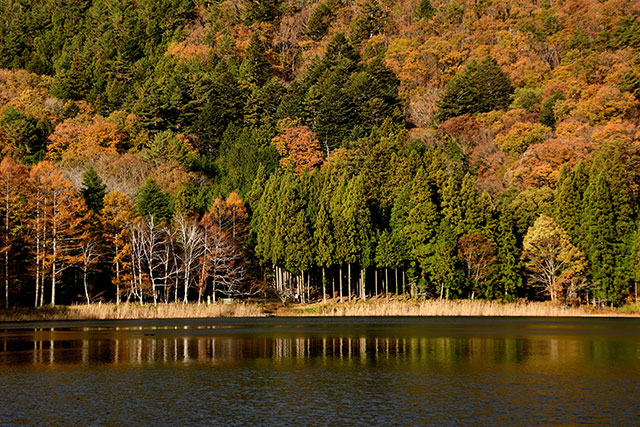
x=179, y=345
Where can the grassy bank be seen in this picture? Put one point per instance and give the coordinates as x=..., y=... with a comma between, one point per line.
x=374, y=307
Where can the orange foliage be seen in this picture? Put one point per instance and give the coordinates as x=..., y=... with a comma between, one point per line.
x=540, y=165
x=299, y=145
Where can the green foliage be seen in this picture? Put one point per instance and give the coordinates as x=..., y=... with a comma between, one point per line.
x=262, y=10
x=369, y=22
x=547, y=116
x=255, y=68
x=527, y=98
x=321, y=19
x=26, y=136
x=508, y=254
x=425, y=10
x=480, y=87
x=93, y=189
x=151, y=201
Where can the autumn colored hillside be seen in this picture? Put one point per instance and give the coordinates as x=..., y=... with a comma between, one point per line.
x=174, y=150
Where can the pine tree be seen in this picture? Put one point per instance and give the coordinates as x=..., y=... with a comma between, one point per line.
x=93, y=189
x=151, y=201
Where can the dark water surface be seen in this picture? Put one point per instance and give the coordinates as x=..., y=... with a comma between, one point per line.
x=322, y=371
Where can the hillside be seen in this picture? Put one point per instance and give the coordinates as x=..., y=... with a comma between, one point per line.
x=174, y=149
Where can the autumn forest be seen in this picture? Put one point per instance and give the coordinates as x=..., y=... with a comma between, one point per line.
x=188, y=150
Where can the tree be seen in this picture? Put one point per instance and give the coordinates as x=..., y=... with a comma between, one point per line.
x=507, y=251
x=324, y=243
x=62, y=211
x=93, y=189
x=14, y=199
x=299, y=145
x=118, y=216
x=422, y=224
x=553, y=263
x=425, y=10
x=151, y=201
x=255, y=68
x=26, y=137
x=478, y=255
x=480, y=87
x=369, y=22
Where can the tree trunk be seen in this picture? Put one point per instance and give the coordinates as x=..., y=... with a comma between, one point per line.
x=54, y=253
x=86, y=288
x=324, y=287
x=386, y=282
x=397, y=282
x=362, y=287
x=341, y=283
x=37, y=250
x=333, y=285
x=6, y=249
x=441, y=290
x=375, y=278
x=349, y=280
x=117, y=274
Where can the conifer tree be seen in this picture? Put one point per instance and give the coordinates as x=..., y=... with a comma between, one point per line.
x=93, y=189
x=441, y=265
x=151, y=201
x=508, y=254
x=422, y=222
x=425, y=10
x=324, y=243
x=255, y=67
x=480, y=87
x=599, y=221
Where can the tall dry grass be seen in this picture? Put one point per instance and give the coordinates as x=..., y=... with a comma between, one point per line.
x=372, y=307
x=381, y=307
x=132, y=311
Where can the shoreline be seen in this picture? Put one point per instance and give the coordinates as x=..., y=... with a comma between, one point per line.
x=377, y=307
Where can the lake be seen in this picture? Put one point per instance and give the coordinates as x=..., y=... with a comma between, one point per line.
x=322, y=371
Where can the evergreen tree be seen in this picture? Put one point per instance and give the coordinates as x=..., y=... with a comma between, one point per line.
x=150, y=200
x=422, y=223
x=441, y=265
x=323, y=241
x=568, y=205
x=255, y=68
x=425, y=10
x=369, y=22
x=508, y=255
x=604, y=248
x=479, y=88
x=93, y=189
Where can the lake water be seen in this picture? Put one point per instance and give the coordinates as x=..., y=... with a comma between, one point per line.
x=322, y=371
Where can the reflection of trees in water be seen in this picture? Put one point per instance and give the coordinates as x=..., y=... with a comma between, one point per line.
x=49, y=347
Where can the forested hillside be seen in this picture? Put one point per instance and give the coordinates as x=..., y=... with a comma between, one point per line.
x=161, y=150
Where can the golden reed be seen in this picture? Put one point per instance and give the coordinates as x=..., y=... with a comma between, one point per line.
x=372, y=307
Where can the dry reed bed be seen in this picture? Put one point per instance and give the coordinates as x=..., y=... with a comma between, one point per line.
x=374, y=307
x=132, y=311
x=455, y=308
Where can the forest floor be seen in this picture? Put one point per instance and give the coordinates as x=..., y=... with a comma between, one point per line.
x=270, y=308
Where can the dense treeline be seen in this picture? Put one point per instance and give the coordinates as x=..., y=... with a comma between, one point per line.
x=167, y=150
